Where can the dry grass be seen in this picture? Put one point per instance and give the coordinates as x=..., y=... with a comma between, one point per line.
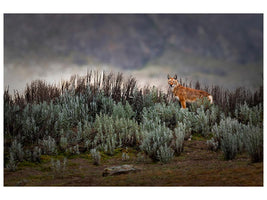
x=122, y=89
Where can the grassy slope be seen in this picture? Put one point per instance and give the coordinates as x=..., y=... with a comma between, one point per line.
x=196, y=166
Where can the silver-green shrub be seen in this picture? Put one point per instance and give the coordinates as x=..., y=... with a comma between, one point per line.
x=49, y=146
x=253, y=140
x=63, y=143
x=156, y=142
x=179, y=135
x=95, y=156
x=73, y=150
x=127, y=131
x=88, y=143
x=202, y=125
x=215, y=115
x=110, y=144
x=33, y=155
x=229, y=145
x=165, y=153
x=125, y=156
x=205, y=103
x=205, y=118
x=107, y=105
x=212, y=144
x=118, y=111
x=87, y=129
x=30, y=128
x=229, y=135
x=105, y=137
x=123, y=111
x=79, y=132
x=111, y=132
x=36, y=154
x=167, y=114
x=249, y=115
x=188, y=119
x=17, y=151
x=76, y=149
x=58, y=167
x=12, y=164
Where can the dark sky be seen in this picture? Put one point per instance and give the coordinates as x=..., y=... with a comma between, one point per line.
x=41, y=42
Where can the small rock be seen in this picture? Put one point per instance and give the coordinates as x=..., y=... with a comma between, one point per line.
x=117, y=170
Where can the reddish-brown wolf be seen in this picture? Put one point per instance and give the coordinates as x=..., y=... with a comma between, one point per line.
x=185, y=94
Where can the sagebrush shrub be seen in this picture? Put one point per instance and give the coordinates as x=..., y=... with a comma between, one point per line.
x=49, y=146
x=215, y=115
x=58, y=167
x=87, y=130
x=127, y=131
x=110, y=133
x=188, y=119
x=253, y=140
x=156, y=137
x=229, y=135
x=110, y=144
x=105, y=137
x=16, y=150
x=12, y=164
x=36, y=154
x=76, y=149
x=179, y=135
x=121, y=111
x=249, y=115
x=229, y=145
x=33, y=155
x=125, y=156
x=79, y=132
x=73, y=150
x=103, y=127
x=164, y=153
x=202, y=125
x=95, y=156
x=205, y=103
x=167, y=114
x=63, y=143
x=212, y=144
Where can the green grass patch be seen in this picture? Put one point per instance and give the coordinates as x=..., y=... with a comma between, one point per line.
x=28, y=164
x=198, y=137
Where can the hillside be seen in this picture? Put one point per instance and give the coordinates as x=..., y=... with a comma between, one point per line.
x=226, y=50
x=74, y=133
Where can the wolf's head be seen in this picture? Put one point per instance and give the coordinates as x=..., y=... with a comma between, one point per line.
x=172, y=81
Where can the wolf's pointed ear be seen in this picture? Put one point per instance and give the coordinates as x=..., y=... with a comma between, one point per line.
x=175, y=77
x=168, y=76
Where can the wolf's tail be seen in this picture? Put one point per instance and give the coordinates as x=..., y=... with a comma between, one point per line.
x=210, y=99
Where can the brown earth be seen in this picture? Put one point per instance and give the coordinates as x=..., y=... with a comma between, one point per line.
x=196, y=166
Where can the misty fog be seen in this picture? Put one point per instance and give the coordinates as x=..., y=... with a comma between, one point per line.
x=225, y=50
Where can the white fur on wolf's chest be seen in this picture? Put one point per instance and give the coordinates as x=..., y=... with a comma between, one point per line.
x=172, y=89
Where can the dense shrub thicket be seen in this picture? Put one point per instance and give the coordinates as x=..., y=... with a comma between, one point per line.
x=102, y=112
